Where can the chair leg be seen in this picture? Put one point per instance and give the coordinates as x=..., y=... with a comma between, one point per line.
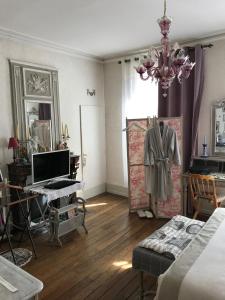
x=195, y=214
x=197, y=209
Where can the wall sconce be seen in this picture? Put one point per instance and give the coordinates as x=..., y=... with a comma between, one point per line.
x=91, y=93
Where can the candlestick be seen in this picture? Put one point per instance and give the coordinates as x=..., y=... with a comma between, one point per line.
x=27, y=134
x=64, y=129
x=204, y=139
x=30, y=135
x=17, y=132
x=204, y=151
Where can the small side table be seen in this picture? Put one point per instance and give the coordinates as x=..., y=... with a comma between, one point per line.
x=28, y=287
x=59, y=226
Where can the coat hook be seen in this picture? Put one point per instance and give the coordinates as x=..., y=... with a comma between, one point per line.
x=91, y=93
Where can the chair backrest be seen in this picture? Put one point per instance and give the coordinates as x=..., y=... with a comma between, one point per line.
x=203, y=186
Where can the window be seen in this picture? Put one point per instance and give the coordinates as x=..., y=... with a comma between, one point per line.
x=143, y=100
x=139, y=100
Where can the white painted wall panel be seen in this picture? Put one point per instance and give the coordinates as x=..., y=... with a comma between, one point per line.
x=75, y=76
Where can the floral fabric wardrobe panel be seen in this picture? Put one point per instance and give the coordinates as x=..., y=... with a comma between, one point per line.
x=139, y=199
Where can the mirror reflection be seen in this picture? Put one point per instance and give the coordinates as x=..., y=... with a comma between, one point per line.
x=218, y=128
x=35, y=102
x=38, y=125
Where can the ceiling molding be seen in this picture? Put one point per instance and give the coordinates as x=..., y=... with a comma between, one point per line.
x=202, y=40
x=48, y=45
x=34, y=41
x=30, y=64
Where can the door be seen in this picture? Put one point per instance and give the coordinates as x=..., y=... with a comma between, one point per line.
x=93, y=160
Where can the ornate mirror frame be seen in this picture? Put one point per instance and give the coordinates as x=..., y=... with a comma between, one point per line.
x=218, y=122
x=30, y=82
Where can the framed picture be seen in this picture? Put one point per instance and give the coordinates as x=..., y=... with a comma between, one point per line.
x=37, y=83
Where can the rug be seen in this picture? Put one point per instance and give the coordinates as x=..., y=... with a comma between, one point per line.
x=22, y=256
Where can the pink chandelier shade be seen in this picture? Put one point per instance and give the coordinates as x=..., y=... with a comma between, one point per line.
x=172, y=60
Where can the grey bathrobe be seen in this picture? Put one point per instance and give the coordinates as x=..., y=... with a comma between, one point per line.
x=160, y=153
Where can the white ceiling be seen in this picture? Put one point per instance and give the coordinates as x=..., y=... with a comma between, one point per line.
x=107, y=28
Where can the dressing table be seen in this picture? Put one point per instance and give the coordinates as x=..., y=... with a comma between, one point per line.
x=212, y=165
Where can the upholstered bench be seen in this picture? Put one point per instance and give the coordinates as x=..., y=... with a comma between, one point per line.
x=157, y=252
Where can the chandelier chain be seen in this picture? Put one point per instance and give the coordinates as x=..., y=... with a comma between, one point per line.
x=164, y=8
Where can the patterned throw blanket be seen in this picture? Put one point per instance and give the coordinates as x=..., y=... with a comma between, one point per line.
x=173, y=237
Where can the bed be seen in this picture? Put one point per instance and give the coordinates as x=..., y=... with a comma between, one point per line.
x=198, y=273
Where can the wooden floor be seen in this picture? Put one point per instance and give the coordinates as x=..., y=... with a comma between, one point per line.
x=96, y=265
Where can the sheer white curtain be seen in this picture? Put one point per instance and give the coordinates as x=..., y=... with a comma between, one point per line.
x=139, y=100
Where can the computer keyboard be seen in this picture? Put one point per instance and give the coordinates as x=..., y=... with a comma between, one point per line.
x=60, y=184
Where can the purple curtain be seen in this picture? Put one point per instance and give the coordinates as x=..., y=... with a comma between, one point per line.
x=44, y=111
x=185, y=100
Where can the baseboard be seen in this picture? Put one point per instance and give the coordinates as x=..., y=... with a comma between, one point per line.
x=117, y=190
x=92, y=192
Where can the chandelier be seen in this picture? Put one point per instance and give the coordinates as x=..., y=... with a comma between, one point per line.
x=172, y=60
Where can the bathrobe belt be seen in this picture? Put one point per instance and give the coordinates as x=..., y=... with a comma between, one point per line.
x=164, y=160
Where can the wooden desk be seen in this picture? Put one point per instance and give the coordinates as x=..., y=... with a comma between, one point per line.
x=58, y=225
x=18, y=175
x=219, y=181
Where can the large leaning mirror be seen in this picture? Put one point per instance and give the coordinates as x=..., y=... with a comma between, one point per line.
x=218, y=128
x=35, y=105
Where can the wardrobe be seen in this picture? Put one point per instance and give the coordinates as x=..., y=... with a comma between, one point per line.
x=138, y=198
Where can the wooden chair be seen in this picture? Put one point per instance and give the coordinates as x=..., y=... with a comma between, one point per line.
x=203, y=188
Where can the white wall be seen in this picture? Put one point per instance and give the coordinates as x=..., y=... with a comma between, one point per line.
x=75, y=76
x=113, y=106
x=214, y=88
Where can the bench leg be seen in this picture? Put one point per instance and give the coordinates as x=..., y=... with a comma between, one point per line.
x=141, y=285
x=144, y=293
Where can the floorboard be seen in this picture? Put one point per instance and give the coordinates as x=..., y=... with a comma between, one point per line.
x=96, y=265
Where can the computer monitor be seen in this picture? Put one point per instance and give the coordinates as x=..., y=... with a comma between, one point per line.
x=49, y=165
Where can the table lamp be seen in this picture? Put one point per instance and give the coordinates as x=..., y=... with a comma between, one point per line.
x=13, y=143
